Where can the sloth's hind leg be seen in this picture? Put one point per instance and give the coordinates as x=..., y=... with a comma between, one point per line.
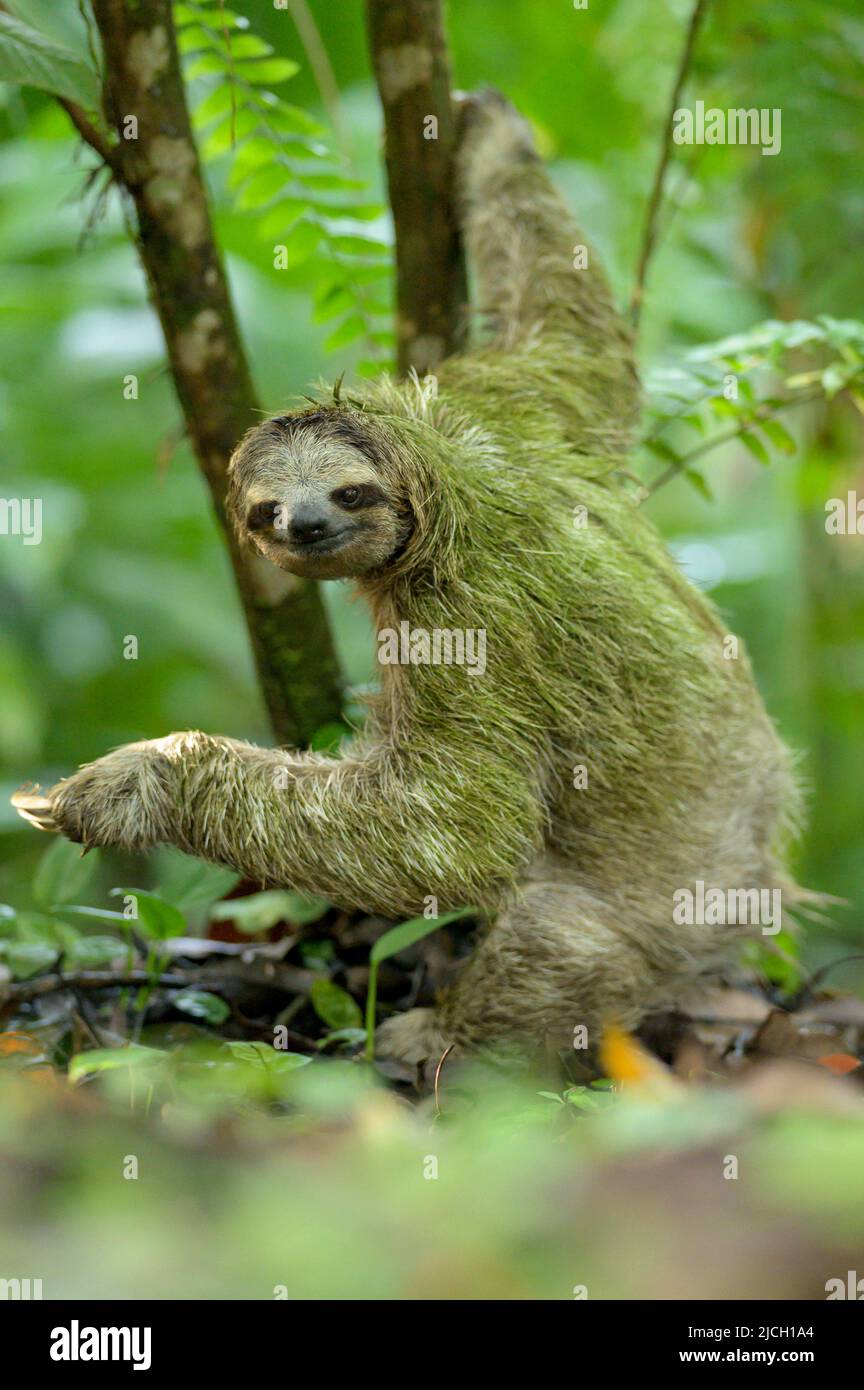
x=551, y=972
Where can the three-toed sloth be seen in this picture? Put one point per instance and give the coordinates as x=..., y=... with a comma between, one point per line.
x=613, y=752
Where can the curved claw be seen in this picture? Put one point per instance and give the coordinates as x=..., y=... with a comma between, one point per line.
x=34, y=808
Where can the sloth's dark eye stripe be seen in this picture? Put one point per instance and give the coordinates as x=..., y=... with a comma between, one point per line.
x=356, y=495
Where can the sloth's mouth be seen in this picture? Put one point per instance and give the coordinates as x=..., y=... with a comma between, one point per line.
x=321, y=545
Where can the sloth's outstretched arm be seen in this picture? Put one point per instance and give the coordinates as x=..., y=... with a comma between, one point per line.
x=379, y=832
x=539, y=280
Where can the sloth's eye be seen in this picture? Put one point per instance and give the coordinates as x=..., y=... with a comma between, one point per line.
x=349, y=496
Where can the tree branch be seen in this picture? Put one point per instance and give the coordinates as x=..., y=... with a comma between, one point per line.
x=157, y=162
x=89, y=133
x=287, y=979
x=649, y=234
x=762, y=412
x=409, y=54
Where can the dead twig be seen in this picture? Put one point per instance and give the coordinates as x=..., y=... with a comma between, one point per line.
x=649, y=234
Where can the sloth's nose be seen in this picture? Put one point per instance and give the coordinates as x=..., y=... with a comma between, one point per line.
x=309, y=524
x=263, y=515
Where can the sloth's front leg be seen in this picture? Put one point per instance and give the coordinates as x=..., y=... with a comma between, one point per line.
x=123, y=799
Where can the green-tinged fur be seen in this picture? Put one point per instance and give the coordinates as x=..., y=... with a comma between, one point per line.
x=598, y=655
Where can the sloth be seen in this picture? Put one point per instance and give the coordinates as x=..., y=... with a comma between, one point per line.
x=613, y=752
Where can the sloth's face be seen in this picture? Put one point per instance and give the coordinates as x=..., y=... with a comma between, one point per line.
x=306, y=492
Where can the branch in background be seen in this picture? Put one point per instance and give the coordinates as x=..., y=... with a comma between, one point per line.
x=322, y=69
x=287, y=979
x=412, y=70
x=649, y=234
x=763, y=412
x=159, y=167
x=89, y=133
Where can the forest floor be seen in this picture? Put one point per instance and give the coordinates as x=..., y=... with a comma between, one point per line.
x=153, y=1141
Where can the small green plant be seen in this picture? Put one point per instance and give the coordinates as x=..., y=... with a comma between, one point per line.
x=390, y=944
x=725, y=391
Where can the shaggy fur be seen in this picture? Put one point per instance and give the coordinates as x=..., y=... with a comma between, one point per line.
x=598, y=654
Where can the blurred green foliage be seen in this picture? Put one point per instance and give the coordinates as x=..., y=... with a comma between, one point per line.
x=223, y=1172
x=130, y=546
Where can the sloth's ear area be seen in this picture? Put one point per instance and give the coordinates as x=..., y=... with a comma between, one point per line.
x=424, y=472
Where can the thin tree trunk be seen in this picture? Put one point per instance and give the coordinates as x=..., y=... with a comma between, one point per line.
x=412, y=68
x=156, y=160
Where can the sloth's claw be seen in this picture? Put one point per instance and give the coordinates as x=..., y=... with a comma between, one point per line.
x=34, y=808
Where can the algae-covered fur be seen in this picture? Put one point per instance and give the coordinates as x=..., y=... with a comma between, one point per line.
x=611, y=752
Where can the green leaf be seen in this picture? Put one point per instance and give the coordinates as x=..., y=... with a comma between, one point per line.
x=109, y=1059
x=278, y=221
x=399, y=939
x=193, y=38
x=29, y=59
x=269, y=1057
x=694, y=477
x=156, y=919
x=28, y=958
x=62, y=873
x=317, y=955
x=214, y=19
x=199, y=1004
x=256, y=152
x=754, y=444
x=334, y=1005
x=335, y=181
x=837, y=376
x=260, y=911
x=98, y=914
x=91, y=952
x=664, y=451
x=327, y=738
x=262, y=71
x=779, y=436
x=208, y=65
x=301, y=242
x=263, y=186
x=694, y=422
x=188, y=882
x=349, y=331
x=216, y=103
x=222, y=139
x=408, y=933
x=355, y=212
x=351, y=1036
x=336, y=302
x=291, y=120
x=369, y=367
x=582, y=1099
x=250, y=46
x=38, y=926
x=199, y=36
x=359, y=245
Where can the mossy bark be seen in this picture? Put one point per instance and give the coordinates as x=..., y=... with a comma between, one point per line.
x=156, y=161
x=412, y=69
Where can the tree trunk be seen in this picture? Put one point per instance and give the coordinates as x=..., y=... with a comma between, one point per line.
x=412, y=69
x=156, y=160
